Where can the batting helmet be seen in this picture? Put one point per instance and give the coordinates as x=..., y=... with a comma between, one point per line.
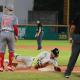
x=55, y=51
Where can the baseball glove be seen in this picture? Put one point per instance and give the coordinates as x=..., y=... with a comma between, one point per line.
x=58, y=69
x=15, y=64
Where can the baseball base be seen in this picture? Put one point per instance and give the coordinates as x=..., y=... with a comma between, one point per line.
x=46, y=69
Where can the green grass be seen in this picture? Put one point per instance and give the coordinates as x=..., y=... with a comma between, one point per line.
x=36, y=76
x=63, y=57
x=63, y=60
x=44, y=43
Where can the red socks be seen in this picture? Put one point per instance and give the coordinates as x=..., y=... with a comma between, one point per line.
x=1, y=59
x=11, y=57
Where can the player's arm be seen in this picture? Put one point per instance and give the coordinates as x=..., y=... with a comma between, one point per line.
x=55, y=64
x=72, y=28
x=41, y=65
x=16, y=31
x=15, y=26
x=38, y=33
x=38, y=64
x=42, y=60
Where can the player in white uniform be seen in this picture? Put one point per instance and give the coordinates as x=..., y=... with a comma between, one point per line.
x=42, y=60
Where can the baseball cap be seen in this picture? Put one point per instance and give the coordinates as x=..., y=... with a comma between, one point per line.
x=55, y=51
x=38, y=22
x=10, y=7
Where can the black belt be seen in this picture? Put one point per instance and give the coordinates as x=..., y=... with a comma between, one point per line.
x=6, y=30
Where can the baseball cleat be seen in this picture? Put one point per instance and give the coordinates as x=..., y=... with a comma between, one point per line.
x=67, y=76
x=1, y=69
x=10, y=68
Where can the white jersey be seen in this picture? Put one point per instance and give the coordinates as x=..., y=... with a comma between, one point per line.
x=45, y=57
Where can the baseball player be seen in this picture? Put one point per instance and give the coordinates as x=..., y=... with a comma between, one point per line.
x=42, y=60
x=75, y=50
x=39, y=34
x=8, y=20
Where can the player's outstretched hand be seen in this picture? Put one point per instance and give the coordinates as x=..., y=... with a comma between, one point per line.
x=57, y=69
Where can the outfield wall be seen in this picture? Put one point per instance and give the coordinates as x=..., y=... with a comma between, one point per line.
x=50, y=32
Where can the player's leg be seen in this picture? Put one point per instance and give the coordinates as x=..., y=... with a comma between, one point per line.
x=73, y=59
x=2, y=50
x=39, y=41
x=10, y=42
x=26, y=61
x=19, y=58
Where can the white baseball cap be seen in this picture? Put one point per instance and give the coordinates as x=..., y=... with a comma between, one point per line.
x=10, y=7
x=38, y=22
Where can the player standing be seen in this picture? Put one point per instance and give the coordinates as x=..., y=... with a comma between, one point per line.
x=75, y=39
x=39, y=34
x=8, y=20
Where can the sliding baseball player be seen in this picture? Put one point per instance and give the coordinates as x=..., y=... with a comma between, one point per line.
x=40, y=62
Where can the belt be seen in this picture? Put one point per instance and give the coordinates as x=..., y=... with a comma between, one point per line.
x=7, y=30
